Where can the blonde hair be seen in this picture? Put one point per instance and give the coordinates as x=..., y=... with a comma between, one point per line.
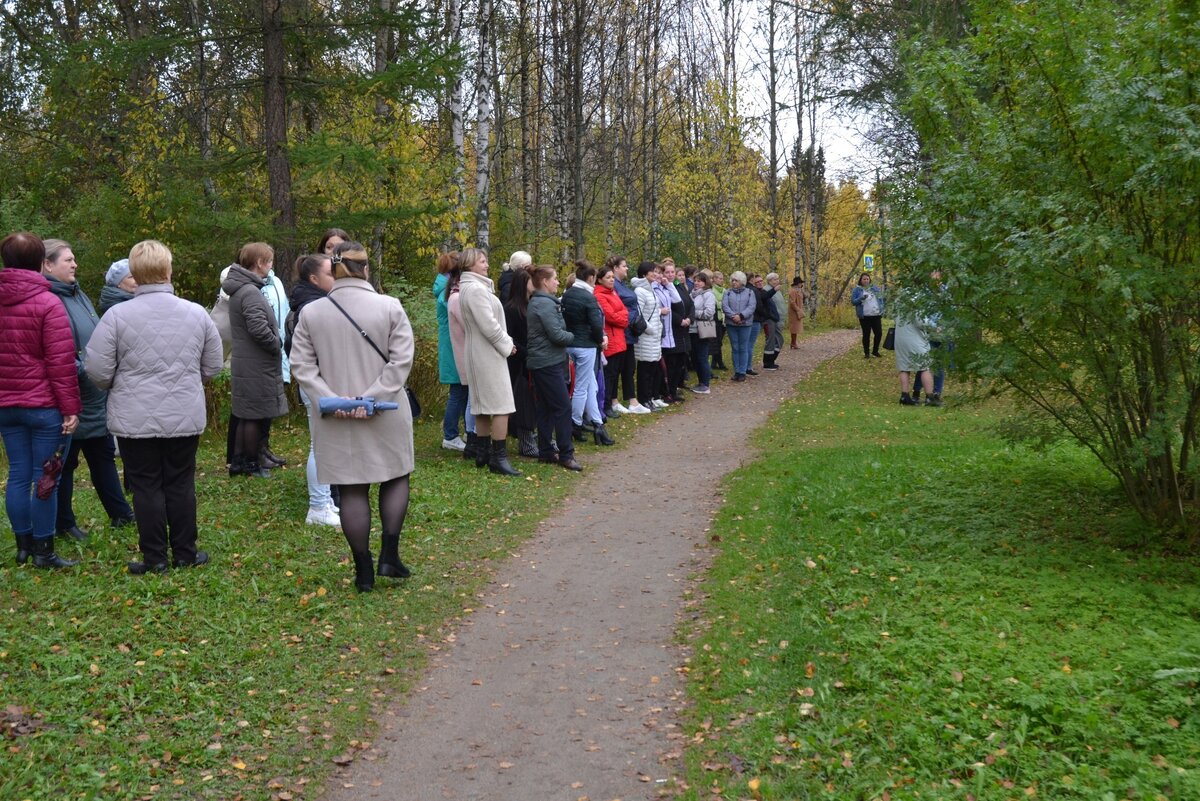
x=54, y=247
x=150, y=262
x=518, y=259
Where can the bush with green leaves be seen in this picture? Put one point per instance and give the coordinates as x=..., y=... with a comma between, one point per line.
x=1059, y=193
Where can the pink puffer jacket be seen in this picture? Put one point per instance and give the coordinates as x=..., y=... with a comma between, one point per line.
x=37, y=351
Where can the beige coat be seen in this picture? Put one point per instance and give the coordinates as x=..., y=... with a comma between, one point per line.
x=487, y=347
x=331, y=359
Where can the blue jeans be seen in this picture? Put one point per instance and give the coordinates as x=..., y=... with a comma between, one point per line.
x=31, y=436
x=755, y=330
x=742, y=346
x=941, y=362
x=320, y=495
x=457, y=406
x=583, y=401
x=700, y=360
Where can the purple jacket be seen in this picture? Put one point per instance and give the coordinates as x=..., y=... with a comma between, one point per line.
x=666, y=295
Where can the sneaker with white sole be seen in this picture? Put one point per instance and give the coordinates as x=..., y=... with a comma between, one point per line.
x=323, y=517
x=455, y=444
x=637, y=408
x=658, y=404
x=700, y=389
x=621, y=409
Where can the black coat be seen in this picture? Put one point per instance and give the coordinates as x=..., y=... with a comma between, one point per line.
x=685, y=309
x=583, y=317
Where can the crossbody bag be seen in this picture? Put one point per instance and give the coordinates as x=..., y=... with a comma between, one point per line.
x=413, y=404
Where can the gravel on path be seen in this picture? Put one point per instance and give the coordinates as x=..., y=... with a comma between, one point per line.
x=564, y=683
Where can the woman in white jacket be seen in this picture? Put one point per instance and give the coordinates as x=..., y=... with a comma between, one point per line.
x=648, y=349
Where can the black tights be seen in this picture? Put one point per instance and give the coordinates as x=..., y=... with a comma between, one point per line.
x=249, y=439
x=356, y=511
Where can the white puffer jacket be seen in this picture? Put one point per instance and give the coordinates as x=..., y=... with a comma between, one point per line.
x=649, y=343
x=152, y=354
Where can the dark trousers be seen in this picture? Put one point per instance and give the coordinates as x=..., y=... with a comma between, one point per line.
x=649, y=379
x=552, y=405
x=871, y=325
x=718, y=354
x=614, y=369
x=101, y=455
x=162, y=473
x=676, y=369
x=628, y=366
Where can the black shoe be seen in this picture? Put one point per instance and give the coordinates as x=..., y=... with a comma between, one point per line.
x=498, y=460
x=44, y=555
x=141, y=568
x=600, y=433
x=74, y=531
x=933, y=400
x=364, y=572
x=739, y=377
x=866, y=356
x=906, y=400
x=570, y=464
x=877, y=355
x=268, y=459
x=548, y=459
x=201, y=558
x=122, y=522
x=24, y=547
x=751, y=372
x=578, y=434
x=390, y=565
x=771, y=366
x=255, y=470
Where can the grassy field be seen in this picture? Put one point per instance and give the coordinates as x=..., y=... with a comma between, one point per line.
x=904, y=607
x=249, y=677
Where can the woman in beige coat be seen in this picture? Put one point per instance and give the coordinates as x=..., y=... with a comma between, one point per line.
x=485, y=358
x=334, y=357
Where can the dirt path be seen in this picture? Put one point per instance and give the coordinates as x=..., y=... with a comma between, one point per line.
x=563, y=684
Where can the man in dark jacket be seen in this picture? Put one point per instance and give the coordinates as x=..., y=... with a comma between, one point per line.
x=91, y=438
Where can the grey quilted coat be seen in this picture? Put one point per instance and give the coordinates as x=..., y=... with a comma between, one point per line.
x=256, y=367
x=153, y=354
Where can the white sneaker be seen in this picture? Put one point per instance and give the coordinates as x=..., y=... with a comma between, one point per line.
x=621, y=409
x=323, y=517
x=637, y=408
x=455, y=444
x=657, y=403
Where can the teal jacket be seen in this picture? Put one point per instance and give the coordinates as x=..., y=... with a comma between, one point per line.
x=92, y=420
x=447, y=369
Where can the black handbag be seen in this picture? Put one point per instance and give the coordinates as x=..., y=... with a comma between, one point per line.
x=638, y=325
x=889, y=341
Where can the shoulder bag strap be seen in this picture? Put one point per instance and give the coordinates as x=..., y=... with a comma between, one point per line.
x=363, y=333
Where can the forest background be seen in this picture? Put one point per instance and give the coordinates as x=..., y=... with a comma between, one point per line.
x=570, y=129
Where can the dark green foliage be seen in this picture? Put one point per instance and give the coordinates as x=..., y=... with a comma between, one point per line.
x=1061, y=147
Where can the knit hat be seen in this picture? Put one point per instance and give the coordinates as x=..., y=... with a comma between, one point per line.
x=117, y=273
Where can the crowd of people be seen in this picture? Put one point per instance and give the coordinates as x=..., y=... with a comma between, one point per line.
x=520, y=361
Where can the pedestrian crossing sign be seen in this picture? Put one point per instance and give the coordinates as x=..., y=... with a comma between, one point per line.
x=868, y=262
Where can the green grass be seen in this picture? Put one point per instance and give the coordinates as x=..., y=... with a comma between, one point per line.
x=247, y=677
x=901, y=606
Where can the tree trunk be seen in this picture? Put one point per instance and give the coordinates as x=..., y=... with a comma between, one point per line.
x=483, y=127
x=275, y=128
x=458, y=190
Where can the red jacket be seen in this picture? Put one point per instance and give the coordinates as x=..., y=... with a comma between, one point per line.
x=616, y=318
x=37, y=350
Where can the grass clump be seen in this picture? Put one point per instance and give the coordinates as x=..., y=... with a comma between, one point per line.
x=904, y=607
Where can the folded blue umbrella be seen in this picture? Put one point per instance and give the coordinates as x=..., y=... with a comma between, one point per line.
x=329, y=406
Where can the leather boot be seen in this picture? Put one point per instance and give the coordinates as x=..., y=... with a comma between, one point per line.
x=364, y=572
x=600, y=434
x=255, y=470
x=472, y=448
x=483, y=453
x=44, y=555
x=24, y=547
x=498, y=461
x=269, y=460
x=390, y=565
x=237, y=466
x=578, y=433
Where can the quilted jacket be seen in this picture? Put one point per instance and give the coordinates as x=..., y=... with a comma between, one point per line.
x=583, y=315
x=152, y=354
x=37, y=352
x=83, y=322
x=648, y=347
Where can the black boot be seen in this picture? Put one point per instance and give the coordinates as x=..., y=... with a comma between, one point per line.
x=269, y=460
x=364, y=573
x=906, y=400
x=237, y=466
x=472, y=449
x=390, y=565
x=255, y=470
x=483, y=453
x=24, y=547
x=44, y=555
x=578, y=434
x=498, y=461
x=600, y=434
